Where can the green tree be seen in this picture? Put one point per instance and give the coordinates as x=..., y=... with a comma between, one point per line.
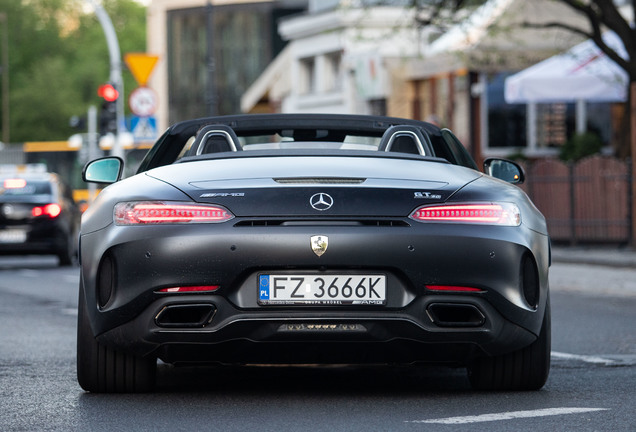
x=58, y=57
x=90, y=59
x=32, y=37
x=43, y=102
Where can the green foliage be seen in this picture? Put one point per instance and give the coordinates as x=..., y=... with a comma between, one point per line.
x=58, y=56
x=41, y=108
x=580, y=146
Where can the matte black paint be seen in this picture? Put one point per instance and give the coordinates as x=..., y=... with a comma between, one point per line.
x=261, y=239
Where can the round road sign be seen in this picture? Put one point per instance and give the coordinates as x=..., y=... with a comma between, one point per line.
x=143, y=101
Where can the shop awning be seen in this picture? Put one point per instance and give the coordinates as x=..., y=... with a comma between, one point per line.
x=584, y=73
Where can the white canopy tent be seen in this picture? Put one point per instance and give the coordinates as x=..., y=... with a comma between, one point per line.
x=582, y=74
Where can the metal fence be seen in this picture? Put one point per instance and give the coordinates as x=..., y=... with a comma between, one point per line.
x=584, y=202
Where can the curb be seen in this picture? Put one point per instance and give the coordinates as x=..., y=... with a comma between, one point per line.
x=611, y=257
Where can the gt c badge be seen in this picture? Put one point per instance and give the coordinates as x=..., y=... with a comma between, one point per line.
x=319, y=244
x=427, y=195
x=321, y=201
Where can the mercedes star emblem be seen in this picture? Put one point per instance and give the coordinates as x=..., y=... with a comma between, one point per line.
x=321, y=201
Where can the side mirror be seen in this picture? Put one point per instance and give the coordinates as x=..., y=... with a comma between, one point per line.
x=505, y=170
x=104, y=170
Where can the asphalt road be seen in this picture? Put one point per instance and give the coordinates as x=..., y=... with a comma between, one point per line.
x=592, y=385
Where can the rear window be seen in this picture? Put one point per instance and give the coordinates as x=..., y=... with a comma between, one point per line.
x=22, y=187
x=289, y=140
x=275, y=141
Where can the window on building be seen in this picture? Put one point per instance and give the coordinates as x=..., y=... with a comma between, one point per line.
x=187, y=78
x=307, y=76
x=555, y=122
x=552, y=125
x=506, y=122
x=600, y=119
x=333, y=75
x=216, y=53
x=377, y=107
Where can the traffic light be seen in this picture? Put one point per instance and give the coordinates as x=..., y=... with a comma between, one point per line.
x=108, y=113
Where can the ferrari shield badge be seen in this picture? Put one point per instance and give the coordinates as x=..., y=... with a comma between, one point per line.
x=319, y=244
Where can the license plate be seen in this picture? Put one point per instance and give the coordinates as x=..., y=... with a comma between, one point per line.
x=324, y=290
x=13, y=236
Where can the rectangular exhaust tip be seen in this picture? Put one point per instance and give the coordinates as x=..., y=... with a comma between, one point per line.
x=455, y=315
x=185, y=315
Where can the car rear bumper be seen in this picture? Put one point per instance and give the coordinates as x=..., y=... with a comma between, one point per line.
x=416, y=324
x=229, y=335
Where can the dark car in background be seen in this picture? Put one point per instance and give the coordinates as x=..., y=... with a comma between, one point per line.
x=38, y=216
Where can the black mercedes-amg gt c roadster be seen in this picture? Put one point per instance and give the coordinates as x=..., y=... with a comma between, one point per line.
x=312, y=239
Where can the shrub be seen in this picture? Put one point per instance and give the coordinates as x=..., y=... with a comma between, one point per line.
x=580, y=146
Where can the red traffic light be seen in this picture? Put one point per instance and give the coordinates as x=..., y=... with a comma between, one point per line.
x=108, y=92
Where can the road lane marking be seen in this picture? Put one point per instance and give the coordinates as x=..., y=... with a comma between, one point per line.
x=508, y=416
x=583, y=358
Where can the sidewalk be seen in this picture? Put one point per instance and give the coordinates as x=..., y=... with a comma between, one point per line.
x=595, y=255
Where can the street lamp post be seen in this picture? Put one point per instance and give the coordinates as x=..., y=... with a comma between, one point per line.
x=115, y=72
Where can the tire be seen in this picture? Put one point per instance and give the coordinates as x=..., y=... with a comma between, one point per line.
x=65, y=257
x=525, y=369
x=67, y=254
x=101, y=369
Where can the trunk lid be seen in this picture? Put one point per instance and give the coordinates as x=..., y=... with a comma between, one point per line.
x=317, y=187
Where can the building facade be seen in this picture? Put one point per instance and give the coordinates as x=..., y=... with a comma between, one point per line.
x=367, y=57
x=340, y=59
x=376, y=59
x=210, y=52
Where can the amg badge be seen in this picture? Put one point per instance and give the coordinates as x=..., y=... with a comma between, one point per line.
x=319, y=244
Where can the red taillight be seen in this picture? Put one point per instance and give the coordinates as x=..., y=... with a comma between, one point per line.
x=50, y=210
x=489, y=213
x=189, y=289
x=150, y=212
x=453, y=288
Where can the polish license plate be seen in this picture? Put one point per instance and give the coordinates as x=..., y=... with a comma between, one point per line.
x=13, y=236
x=322, y=290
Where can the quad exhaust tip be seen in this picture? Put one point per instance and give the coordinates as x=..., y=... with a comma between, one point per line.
x=185, y=315
x=455, y=315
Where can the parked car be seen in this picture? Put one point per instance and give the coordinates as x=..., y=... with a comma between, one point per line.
x=38, y=216
x=312, y=239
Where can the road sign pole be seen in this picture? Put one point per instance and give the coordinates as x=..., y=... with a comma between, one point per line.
x=92, y=146
x=115, y=72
